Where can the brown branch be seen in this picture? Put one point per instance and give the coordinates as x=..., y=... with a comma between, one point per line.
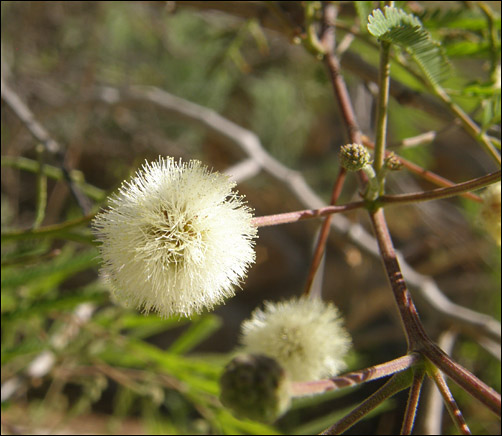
x=412, y=325
x=439, y=193
x=324, y=233
x=356, y=377
x=353, y=132
x=415, y=334
x=292, y=217
x=412, y=404
x=396, y=384
x=464, y=378
x=449, y=401
x=433, y=414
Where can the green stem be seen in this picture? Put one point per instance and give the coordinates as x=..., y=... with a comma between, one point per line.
x=25, y=164
x=57, y=230
x=382, y=109
x=41, y=188
x=469, y=125
x=493, y=39
x=373, y=189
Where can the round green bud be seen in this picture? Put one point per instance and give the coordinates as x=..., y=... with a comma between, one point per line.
x=392, y=162
x=255, y=386
x=354, y=157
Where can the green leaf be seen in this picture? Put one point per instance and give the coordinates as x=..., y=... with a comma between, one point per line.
x=58, y=303
x=142, y=326
x=199, y=330
x=405, y=30
x=49, y=274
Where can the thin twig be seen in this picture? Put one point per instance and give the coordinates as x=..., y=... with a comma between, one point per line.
x=423, y=173
x=433, y=415
x=353, y=132
x=396, y=384
x=41, y=188
x=356, y=377
x=412, y=404
x=383, y=106
x=449, y=401
x=469, y=125
x=322, y=238
x=464, y=378
x=439, y=193
x=25, y=164
x=25, y=115
x=491, y=19
x=292, y=217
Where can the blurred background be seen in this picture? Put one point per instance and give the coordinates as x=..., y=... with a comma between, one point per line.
x=75, y=363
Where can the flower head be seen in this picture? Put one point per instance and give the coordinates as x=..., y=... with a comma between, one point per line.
x=354, y=157
x=490, y=211
x=305, y=336
x=176, y=239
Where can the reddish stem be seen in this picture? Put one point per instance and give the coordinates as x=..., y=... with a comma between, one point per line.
x=356, y=377
x=292, y=217
x=436, y=194
x=451, y=404
x=415, y=333
x=412, y=404
x=348, y=115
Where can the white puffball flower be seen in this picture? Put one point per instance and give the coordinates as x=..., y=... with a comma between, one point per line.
x=490, y=211
x=176, y=239
x=305, y=336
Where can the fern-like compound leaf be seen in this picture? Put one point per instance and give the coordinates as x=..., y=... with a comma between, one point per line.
x=405, y=30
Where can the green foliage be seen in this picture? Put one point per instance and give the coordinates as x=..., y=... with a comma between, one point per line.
x=398, y=27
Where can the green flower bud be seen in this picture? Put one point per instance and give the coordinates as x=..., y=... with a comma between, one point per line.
x=354, y=157
x=392, y=162
x=255, y=386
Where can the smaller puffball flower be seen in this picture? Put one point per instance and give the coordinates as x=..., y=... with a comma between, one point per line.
x=490, y=211
x=176, y=239
x=304, y=335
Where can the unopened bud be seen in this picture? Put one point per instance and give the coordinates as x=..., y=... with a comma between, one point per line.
x=255, y=386
x=392, y=162
x=354, y=157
